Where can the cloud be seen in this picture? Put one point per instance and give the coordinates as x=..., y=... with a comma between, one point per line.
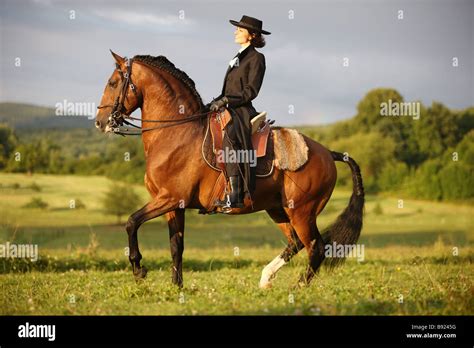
x=43, y=2
x=304, y=55
x=143, y=18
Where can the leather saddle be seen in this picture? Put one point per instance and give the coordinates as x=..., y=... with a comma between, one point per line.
x=261, y=139
x=260, y=130
x=262, y=142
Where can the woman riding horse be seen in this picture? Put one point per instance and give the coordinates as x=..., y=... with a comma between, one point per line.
x=178, y=178
x=242, y=83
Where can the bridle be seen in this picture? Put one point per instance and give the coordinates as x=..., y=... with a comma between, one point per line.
x=119, y=113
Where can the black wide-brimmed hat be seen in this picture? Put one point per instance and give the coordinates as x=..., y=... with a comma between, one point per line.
x=250, y=23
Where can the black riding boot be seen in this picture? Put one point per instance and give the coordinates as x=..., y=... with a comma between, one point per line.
x=237, y=192
x=236, y=195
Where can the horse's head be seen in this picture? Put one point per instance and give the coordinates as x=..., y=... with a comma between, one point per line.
x=120, y=97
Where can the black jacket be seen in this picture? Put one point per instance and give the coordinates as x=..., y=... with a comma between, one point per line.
x=242, y=82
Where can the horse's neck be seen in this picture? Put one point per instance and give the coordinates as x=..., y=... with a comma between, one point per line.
x=164, y=97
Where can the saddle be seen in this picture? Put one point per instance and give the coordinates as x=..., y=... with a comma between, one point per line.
x=262, y=142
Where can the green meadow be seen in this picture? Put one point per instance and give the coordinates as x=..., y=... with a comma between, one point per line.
x=417, y=258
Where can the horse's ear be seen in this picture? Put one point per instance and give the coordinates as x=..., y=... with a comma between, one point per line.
x=117, y=58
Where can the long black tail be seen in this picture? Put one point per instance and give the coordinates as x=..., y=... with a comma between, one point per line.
x=346, y=229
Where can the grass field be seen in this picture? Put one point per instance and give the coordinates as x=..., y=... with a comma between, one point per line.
x=418, y=259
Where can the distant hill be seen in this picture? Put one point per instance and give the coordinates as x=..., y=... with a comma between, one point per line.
x=26, y=116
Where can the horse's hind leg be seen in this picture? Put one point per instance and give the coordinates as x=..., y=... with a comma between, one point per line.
x=176, y=231
x=304, y=222
x=293, y=247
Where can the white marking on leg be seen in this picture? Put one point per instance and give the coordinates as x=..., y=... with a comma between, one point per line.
x=269, y=272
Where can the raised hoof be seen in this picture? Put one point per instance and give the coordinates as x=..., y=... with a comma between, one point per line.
x=140, y=273
x=265, y=281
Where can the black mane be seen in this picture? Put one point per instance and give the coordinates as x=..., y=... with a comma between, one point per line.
x=161, y=62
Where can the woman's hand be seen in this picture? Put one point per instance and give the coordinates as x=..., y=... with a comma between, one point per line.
x=216, y=105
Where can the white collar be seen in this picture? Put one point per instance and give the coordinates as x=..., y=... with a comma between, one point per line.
x=233, y=61
x=243, y=48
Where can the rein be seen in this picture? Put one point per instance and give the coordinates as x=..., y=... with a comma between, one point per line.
x=119, y=114
x=128, y=131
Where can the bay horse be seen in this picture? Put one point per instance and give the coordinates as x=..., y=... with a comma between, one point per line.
x=178, y=178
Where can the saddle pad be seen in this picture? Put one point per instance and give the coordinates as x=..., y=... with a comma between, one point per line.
x=291, y=151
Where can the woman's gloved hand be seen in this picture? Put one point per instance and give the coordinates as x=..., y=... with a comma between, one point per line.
x=216, y=105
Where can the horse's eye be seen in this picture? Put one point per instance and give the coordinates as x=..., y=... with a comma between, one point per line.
x=113, y=84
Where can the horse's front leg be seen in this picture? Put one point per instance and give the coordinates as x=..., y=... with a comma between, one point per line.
x=149, y=211
x=176, y=230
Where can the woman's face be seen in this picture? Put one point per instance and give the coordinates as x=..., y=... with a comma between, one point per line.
x=242, y=35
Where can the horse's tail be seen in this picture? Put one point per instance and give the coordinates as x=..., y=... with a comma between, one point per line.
x=346, y=229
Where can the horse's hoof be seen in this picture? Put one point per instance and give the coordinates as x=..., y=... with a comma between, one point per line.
x=179, y=285
x=265, y=279
x=140, y=273
x=264, y=285
x=302, y=283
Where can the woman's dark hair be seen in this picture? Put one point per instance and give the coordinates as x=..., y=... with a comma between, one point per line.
x=258, y=41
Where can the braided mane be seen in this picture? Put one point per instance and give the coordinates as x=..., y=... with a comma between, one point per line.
x=161, y=62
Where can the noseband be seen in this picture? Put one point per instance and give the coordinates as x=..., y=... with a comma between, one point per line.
x=119, y=112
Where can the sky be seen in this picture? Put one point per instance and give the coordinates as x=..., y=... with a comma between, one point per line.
x=65, y=58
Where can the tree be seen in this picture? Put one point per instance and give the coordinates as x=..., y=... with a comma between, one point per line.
x=369, y=108
x=393, y=176
x=401, y=130
x=120, y=200
x=457, y=181
x=371, y=151
x=436, y=131
x=465, y=122
x=8, y=142
x=456, y=176
x=426, y=182
x=32, y=158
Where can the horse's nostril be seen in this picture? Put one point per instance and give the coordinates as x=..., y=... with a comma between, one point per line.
x=97, y=124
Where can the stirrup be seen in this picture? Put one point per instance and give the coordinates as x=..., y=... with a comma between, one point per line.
x=227, y=205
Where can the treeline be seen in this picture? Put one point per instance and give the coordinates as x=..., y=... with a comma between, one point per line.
x=90, y=154
x=429, y=154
